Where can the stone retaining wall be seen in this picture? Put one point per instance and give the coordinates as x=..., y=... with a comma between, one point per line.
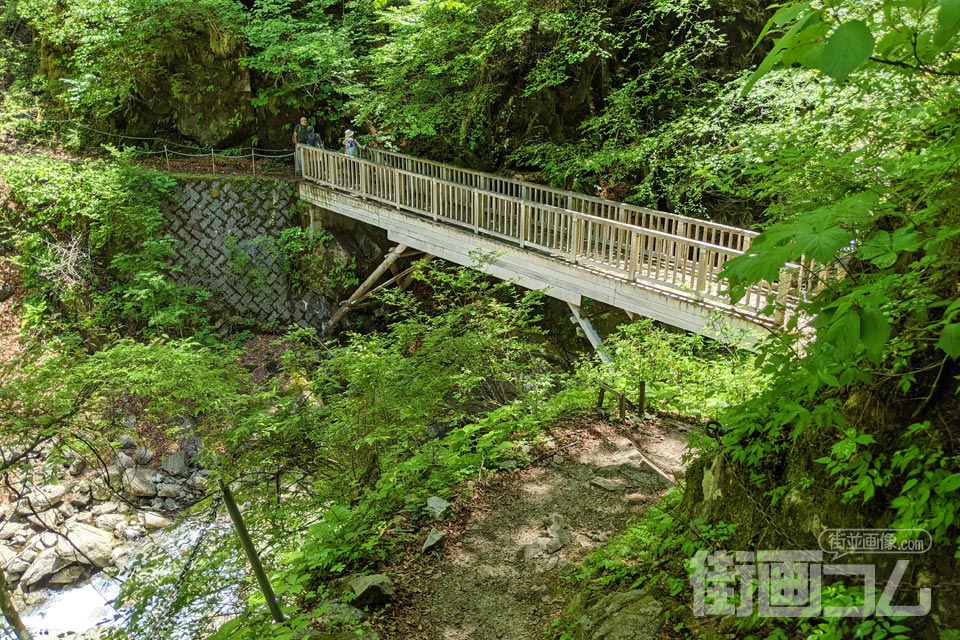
x=227, y=227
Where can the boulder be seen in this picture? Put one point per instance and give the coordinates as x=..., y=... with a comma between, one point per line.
x=86, y=545
x=140, y=482
x=530, y=551
x=45, y=520
x=127, y=441
x=16, y=566
x=130, y=533
x=605, y=484
x=110, y=521
x=77, y=466
x=41, y=499
x=372, y=590
x=120, y=555
x=337, y=612
x=47, y=563
x=10, y=530
x=71, y=575
x=168, y=490
x=103, y=508
x=175, y=464
x=198, y=481
x=125, y=460
x=644, y=476
x=152, y=521
x=67, y=510
x=632, y=615
x=143, y=455
x=560, y=529
x=6, y=554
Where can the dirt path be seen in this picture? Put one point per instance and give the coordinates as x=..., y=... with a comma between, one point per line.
x=497, y=573
x=10, y=344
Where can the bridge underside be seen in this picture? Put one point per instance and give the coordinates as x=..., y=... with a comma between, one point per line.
x=558, y=279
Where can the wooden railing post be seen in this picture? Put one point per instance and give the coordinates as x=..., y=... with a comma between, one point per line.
x=634, y=255
x=396, y=189
x=783, y=295
x=703, y=260
x=362, y=167
x=576, y=234
x=522, y=231
x=435, y=199
x=476, y=210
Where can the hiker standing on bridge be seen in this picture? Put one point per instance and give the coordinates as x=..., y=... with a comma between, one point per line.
x=350, y=145
x=299, y=137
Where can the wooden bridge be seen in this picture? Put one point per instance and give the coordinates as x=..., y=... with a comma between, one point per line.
x=654, y=264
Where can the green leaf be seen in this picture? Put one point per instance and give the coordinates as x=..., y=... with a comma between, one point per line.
x=949, y=484
x=786, y=42
x=949, y=340
x=874, y=332
x=948, y=23
x=844, y=333
x=823, y=246
x=846, y=50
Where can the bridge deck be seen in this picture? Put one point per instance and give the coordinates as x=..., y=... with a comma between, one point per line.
x=649, y=262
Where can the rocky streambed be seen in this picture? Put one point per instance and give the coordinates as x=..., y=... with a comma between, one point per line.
x=60, y=534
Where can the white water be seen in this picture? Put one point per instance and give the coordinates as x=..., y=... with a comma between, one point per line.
x=85, y=607
x=78, y=609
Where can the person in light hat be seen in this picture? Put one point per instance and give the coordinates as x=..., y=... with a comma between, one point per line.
x=350, y=145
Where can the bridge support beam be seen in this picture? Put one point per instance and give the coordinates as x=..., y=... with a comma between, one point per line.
x=590, y=332
x=362, y=290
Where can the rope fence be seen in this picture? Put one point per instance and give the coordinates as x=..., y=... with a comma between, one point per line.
x=249, y=156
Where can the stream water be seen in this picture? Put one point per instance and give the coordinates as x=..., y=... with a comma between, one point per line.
x=83, y=608
x=75, y=610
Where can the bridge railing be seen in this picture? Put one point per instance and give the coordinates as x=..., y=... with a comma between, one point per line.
x=646, y=255
x=692, y=228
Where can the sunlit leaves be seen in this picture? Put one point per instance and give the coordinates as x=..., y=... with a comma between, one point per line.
x=840, y=41
x=303, y=49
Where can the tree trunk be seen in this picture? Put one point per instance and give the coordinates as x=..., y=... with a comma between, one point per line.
x=10, y=612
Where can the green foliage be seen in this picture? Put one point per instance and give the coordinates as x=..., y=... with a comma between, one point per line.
x=305, y=50
x=684, y=373
x=645, y=141
x=91, y=247
x=839, y=37
x=651, y=553
x=240, y=257
x=877, y=203
x=103, y=57
x=310, y=261
x=357, y=432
